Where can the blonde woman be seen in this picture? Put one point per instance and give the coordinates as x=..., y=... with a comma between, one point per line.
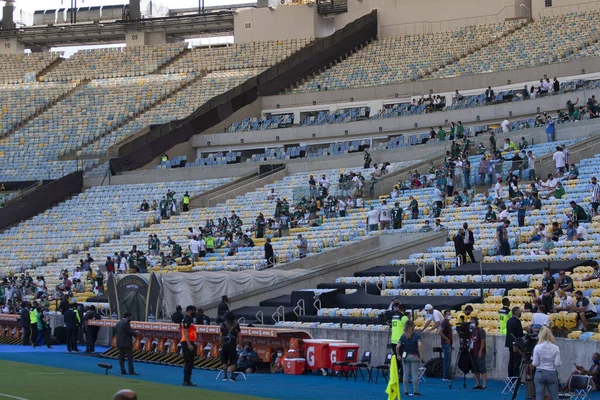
x=410, y=351
x=546, y=359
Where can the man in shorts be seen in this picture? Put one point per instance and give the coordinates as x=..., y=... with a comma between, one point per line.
x=478, y=350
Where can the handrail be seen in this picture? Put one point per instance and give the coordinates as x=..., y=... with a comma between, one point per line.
x=300, y=307
x=317, y=304
x=421, y=273
x=402, y=273
x=240, y=319
x=365, y=283
x=260, y=317
x=381, y=283
x=24, y=192
x=279, y=316
x=259, y=176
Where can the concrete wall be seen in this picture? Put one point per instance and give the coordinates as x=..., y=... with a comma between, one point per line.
x=539, y=9
x=343, y=261
x=280, y=23
x=381, y=127
x=465, y=82
x=571, y=351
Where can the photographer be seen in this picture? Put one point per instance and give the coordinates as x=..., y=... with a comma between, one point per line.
x=410, y=351
x=478, y=350
x=546, y=359
x=514, y=330
x=445, y=332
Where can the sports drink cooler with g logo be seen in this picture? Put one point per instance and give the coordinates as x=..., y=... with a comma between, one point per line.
x=318, y=353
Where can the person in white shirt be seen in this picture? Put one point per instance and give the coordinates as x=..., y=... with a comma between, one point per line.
x=546, y=360
x=395, y=193
x=434, y=316
x=373, y=219
x=505, y=125
x=77, y=273
x=384, y=216
x=504, y=213
x=566, y=302
x=559, y=161
x=358, y=202
x=540, y=318
x=123, y=265
x=342, y=207
x=194, y=249
x=202, y=246
x=498, y=189
x=582, y=233
x=324, y=181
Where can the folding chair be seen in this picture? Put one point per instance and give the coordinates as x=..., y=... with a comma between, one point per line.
x=581, y=386
x=510, y=384
x=237, y=373
x=364, y=363
x=422, y=371
x=343, y=365
x=385, y=368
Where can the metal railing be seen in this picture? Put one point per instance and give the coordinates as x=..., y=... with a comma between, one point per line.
x=279, y=316
x=260, y=317
x=300, y=309
x=569, y=8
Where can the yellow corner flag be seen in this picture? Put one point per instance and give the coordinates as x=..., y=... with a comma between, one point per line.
x=393, y=387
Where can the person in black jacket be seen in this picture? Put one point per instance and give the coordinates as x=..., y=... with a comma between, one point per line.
x=469, y=241
x=72, y=325
x=514, y=330
x=459, y=245
x=25, y=323
x=91, y=333
x=269, y=253
x=125, y=343
x=177, y=316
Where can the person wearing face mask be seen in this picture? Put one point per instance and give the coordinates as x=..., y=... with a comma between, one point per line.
x=277, y=366
x=445, y=333
x=478, y=351
x=399, y=319
x=549, y=287
x=504, y=315
x=566, y=302
x=514, y=330
x=593, y=371
x=585, y=309
x=247, y=359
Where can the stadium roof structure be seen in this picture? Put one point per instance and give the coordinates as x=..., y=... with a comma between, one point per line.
x=215, y=23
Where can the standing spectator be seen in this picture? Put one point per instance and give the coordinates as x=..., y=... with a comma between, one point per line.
x=489, y=95
x=194, y=247
x=546, y=359
x=478, y=351
x=514, y=330
x=269, y=253
x=367, y=158
x=459, y=246
x=555, y=85
x=549, y=287
x=411, y=343
x=524, y=205
x=25, y=323
x=595, y=196
x=571, y=108
x=469, y=240
x=498, y=191
x=302, y=246
x=384, y=216
x=550, y=129
x=505, y=125
x=445, y=333
x=222, y=309
x=373, y=219
x=559, y=161
x=125, y=343
x=502, y=238
x=397, y=216
x=72, y=326
x=483, y=167
x=186, y=202
x=189, y=337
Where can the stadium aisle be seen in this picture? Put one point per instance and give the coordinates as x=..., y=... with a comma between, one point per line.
x=260, y=385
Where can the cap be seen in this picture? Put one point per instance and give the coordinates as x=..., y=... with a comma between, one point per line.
x=428, y=307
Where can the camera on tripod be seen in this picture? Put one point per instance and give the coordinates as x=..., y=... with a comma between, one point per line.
x=463, y=330
x=526, y=344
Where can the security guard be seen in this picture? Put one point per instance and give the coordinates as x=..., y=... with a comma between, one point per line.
x=164, y=157
x=210, y=243
x=504, y=315
x=189, y=336
x=186, y=202
x=398, y=322
x=33, y=317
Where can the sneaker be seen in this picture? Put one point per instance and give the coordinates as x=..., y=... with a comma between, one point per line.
x=225, y=378
x=188, y=383
x=477, y=387
x=233, y=378
x=446, y=380
x=416, y=394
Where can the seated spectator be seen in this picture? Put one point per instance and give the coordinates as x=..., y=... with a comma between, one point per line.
x=546, y=247
x=277, y=366
x=247, y=359
x=585, y=309
x=438, y=227
x=559, y=192
x=566, y=302
x=573, y=172
x=593, y=275
x=488, y=198
x=426, y=227
x=457, y=200
x=578, y=213
x=541, y=233
x=557, y=231
x=491, y=215
x=593, y=371
x=145, y=206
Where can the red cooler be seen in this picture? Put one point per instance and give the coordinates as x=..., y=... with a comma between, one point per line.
x=318, y=353
x=339, y=350
x=293, y=366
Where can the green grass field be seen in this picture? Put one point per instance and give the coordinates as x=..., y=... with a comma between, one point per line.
x=34, y=382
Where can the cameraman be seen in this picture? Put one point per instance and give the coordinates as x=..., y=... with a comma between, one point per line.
x=514, y=330
x=478, y=350
x=546, y=359
x=445, y=332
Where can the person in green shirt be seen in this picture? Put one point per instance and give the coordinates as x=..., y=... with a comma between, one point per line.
x=452, y=130
x=397, y=216
x=493, y=141
x=577, y=115
x=523, y=144
x=367, y=158
x=441, y=134
x=579, y=213
x=559, y=192
x=460, y=130
x=573, y=172
x=491, y=215
x=142, y=262
x=260, y=226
